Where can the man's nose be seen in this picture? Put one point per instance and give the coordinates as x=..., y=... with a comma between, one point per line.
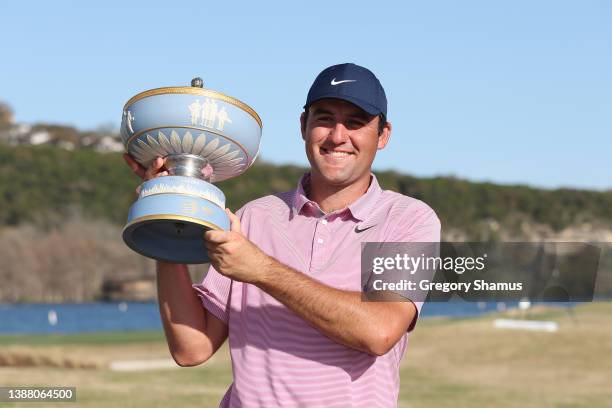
x=338, y=133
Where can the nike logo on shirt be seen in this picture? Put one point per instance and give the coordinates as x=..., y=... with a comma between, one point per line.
x=357, y=230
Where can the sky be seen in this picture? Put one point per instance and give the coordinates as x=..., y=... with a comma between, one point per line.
x=509, y=92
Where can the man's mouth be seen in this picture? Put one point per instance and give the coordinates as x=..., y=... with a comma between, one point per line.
x=334, y=153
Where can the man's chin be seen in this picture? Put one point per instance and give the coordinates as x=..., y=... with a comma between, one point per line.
x=338, y=180
x=335, y=176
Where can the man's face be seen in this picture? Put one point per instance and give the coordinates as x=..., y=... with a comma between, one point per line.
x=341, y=141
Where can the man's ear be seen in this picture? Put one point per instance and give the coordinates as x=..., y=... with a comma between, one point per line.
x=303, y=125
x=384, y=137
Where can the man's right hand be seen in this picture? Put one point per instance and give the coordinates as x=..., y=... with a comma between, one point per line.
x=156, y=169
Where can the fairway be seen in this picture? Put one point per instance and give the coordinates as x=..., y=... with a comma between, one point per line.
x=449, y=363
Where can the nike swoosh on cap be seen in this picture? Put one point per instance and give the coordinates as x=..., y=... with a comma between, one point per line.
x=334, y=82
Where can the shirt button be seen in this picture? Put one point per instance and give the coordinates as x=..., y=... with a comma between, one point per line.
x=320, y=241
x=324, y=222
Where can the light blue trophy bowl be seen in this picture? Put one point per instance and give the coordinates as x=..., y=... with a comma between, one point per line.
x=205, y=136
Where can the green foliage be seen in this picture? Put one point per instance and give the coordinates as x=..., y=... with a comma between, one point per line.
x=43, y=185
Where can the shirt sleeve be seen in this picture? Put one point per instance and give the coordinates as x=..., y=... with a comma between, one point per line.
x=419, y=306
x=214, y=292
x=215, y=289
x=422, y=226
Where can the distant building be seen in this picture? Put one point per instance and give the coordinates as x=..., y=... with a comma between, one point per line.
x=103, y=140
x=40, y=137
x=15, y=134
x=65, y=144
x=109, y=144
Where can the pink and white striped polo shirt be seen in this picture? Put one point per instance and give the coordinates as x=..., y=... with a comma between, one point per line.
x=278, y=359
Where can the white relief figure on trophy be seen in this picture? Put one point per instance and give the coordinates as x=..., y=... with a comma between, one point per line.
x=212, y=116
x=222, y=117
x=195, y=109
x=130, y=119
x=210, y=113
x=205, y=112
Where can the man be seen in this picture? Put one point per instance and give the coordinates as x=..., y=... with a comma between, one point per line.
x=284, y=286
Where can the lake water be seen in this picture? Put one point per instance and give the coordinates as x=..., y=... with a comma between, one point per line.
x=122, y=316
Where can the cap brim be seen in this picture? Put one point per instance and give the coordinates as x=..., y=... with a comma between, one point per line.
x=371, y=109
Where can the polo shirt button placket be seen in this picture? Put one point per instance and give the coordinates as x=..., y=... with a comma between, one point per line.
x=320, y=238
x=324, y=235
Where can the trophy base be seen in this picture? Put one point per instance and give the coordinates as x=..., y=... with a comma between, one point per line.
x=176, y=235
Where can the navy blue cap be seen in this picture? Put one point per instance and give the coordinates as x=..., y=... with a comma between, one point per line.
x=352, y=83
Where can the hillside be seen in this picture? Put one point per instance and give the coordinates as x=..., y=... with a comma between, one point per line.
x=62, y=213
x=45, y=184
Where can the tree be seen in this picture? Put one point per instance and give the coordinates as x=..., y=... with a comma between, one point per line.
x=6, y=115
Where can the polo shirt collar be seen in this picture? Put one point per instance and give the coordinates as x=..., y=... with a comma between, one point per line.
x=299, y=198
x=360, y=209
x=363, y=207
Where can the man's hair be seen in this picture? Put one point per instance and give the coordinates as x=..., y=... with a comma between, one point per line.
x=382, y=121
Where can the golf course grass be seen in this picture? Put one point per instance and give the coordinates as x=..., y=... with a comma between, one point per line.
x=449, y=363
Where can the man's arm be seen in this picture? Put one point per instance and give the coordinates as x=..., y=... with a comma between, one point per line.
x=193, y=334
x=372, y=327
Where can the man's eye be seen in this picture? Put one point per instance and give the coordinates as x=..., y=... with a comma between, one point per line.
x=354, y=123
x=324, y=119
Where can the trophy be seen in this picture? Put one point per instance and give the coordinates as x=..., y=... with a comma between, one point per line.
x=205, y=136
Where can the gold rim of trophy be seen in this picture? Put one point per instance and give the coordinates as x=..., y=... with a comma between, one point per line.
x=172, y=217
x=195, y=91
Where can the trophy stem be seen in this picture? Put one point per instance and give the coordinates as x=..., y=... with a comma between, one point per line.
x=188, y=165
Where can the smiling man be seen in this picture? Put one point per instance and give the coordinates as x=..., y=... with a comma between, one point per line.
x=285, y=283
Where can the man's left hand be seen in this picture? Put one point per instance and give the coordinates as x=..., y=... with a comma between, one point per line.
x=233, y=255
